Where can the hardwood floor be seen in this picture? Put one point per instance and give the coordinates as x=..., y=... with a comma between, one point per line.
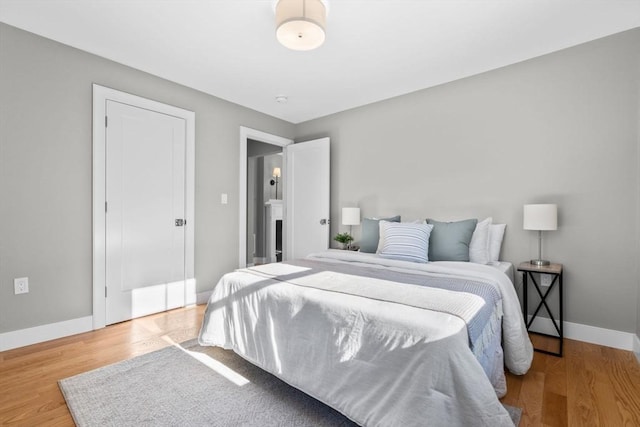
x=29, y=393
x=590, y=386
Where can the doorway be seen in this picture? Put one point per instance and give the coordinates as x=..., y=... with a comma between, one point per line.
x=265, y=182
x=255, y=147
x=143, y=206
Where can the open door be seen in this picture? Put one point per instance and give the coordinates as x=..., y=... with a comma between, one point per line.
x=307, y=189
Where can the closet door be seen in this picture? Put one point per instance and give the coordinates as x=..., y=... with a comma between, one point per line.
x=145, y=212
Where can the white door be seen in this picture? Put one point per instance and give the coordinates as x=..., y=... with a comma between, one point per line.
x=145, y=211
x=307, y=187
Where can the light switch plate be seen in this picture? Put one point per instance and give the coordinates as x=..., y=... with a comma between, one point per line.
x=224, y=199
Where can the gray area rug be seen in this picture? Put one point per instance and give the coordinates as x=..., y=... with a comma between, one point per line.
x=194, y=386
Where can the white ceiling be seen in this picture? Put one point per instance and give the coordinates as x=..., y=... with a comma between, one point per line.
x=375, y=49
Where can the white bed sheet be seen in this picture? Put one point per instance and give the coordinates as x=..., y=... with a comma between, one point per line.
x=379, y=363
x=505, y=267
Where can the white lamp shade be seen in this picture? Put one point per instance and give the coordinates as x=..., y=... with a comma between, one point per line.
x=540, y=217
x=300, y=23
x=350, y=216
x=276, y=172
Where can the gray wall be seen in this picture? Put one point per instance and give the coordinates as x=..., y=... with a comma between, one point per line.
x=45, y=173
x=562, y=128
x=257, y=148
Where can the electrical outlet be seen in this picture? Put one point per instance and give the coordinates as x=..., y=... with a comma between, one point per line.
x=21, y=285
x=546, y=279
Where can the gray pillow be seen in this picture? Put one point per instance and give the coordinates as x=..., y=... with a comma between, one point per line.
x=371, y=233
x=449, y=241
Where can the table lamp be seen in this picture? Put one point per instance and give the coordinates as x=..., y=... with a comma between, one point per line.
x=350, y=217
x=542, y=217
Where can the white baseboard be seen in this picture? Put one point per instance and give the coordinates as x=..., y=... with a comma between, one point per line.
x=191, y=297
x=38, y=334
x=590, y=334
x=52, y=331
x=636, y=347
x=203, y=297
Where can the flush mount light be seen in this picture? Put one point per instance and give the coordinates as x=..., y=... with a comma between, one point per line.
x=300, y=23
x=281, y=99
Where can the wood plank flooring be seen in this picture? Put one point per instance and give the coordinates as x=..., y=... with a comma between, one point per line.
x=29, y=393
x=590, y=386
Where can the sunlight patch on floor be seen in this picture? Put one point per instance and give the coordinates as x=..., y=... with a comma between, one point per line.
x=212, y=363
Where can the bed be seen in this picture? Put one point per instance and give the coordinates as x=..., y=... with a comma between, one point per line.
x=385, y=342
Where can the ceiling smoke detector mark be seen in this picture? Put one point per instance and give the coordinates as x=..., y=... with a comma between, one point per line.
x=282, y=99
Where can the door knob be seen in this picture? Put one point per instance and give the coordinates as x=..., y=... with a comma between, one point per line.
x=324, y=221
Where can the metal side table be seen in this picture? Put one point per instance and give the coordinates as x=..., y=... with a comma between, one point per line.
x=528, y=272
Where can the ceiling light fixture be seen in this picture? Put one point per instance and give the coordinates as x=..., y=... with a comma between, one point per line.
x=300, y=23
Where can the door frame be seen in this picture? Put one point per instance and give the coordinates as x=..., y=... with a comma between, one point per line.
x=245, y=135
x=100, y=96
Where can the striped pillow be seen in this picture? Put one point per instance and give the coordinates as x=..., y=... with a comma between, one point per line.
x=405, y=241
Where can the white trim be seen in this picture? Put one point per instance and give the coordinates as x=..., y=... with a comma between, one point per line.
x=38, y=334
x=246, y=134
x=586, y=333
x=100, y=96
x=636, y=347
x=190, y=294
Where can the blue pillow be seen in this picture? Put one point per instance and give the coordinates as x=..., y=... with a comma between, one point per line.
x=405, y=241
x=449, y=241
x=371, y=233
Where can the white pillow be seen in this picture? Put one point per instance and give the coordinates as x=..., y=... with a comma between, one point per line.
x=496, y=234
x=479, y=245
x=405, y=241
x=381, y=229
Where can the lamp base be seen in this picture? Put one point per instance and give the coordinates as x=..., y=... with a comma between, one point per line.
x=539, y=262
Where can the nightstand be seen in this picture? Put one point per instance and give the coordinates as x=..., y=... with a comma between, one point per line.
x=528, y=272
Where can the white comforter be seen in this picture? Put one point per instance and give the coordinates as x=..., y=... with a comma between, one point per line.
x=377, y=362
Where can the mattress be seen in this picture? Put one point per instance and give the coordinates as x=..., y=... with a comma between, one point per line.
x=365, y=337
